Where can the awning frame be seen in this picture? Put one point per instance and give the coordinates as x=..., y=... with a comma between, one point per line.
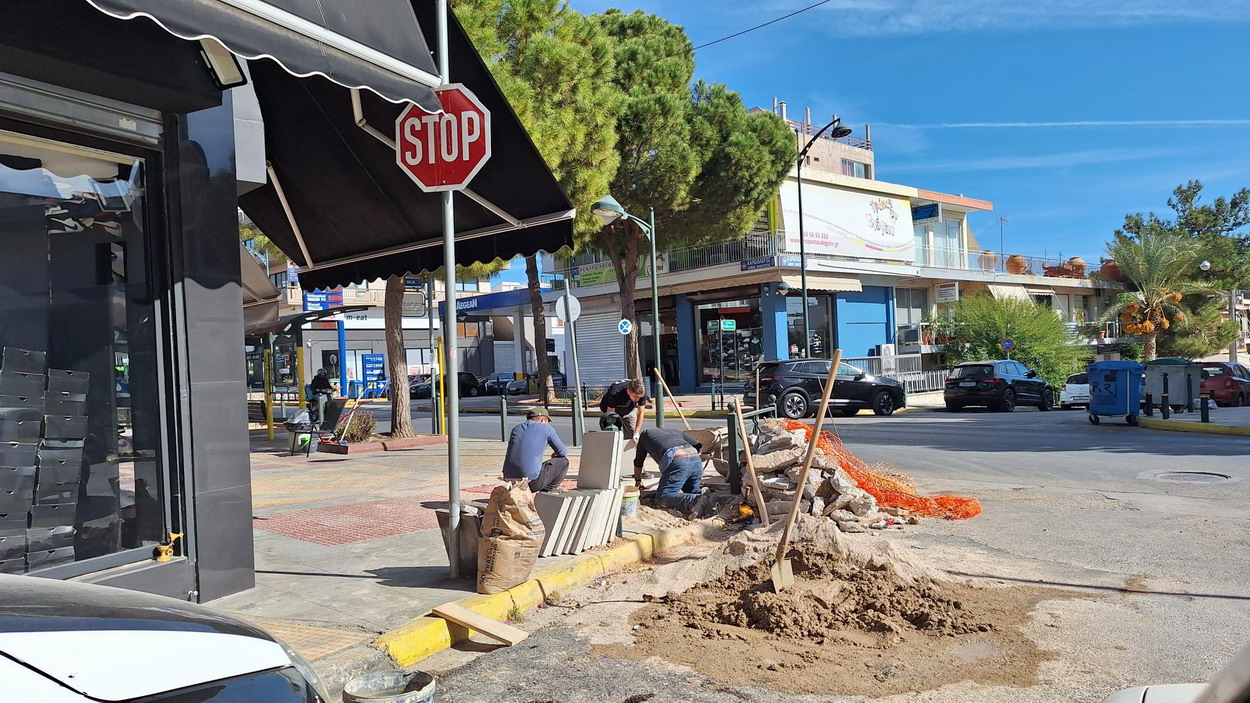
x=277, y=16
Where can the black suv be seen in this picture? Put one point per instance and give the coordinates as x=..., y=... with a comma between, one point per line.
x=797, y=385
x=998, y=385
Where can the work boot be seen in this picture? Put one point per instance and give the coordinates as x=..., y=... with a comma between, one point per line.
x=700, y=507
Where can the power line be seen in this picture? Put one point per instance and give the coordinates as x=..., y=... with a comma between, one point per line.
x=727, y=37
x=758, y=26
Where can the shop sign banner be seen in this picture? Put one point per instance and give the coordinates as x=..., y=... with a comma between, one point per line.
x=848, y=223
x=604, y=272
x=947, y=292
x=762, y=262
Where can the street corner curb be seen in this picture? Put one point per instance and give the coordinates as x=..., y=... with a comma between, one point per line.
x=1202, y=428
x=917, y=410
x=428, y=634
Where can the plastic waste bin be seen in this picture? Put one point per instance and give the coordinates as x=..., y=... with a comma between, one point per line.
x=1115, y=388
x=1184, y=382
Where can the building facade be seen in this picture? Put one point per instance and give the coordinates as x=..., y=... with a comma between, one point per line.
x=882, y=260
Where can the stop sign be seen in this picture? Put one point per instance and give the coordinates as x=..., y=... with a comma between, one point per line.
x=444, y=151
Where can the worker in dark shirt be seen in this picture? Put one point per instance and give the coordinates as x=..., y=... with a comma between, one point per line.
x=524, y=457
x=681, y=470
x=322, y=391
x=626, y=399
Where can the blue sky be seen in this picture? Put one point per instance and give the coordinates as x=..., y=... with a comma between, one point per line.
x=941, y=81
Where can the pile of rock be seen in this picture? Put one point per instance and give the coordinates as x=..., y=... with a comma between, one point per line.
x=830, y=492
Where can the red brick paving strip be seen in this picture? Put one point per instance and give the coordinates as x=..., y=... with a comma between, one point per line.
x=356, y=522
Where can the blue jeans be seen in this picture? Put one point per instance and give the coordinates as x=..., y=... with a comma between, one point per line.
x=679, y=483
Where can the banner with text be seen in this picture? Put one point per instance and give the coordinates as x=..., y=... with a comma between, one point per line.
x=848, y=223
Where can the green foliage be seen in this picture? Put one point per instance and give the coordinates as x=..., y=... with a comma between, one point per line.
x=251, y=236
x=555, y=66
x=1159, y=260
x=359, y=428
x=1220, y=230
x=974, y=326
x=1131, y=351
x=1205, y=331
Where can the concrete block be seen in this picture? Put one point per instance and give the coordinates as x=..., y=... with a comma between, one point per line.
x=601, y=460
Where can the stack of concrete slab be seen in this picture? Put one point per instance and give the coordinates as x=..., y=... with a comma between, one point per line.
x=585, y=517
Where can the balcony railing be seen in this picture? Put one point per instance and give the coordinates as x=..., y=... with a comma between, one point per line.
x=756, y=245
x=1002, y=263
x=808, y=129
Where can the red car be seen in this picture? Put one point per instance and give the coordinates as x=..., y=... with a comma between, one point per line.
x=1228, y=383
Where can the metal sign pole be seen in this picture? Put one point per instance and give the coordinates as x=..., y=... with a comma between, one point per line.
x=452, y=385
x=571, y=341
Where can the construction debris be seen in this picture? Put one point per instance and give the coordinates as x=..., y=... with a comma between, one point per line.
x=836, y=485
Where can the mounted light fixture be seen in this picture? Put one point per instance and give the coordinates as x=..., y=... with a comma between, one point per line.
x=223, y=66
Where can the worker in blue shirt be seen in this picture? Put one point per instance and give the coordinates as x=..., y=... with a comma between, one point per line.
x=524, y=458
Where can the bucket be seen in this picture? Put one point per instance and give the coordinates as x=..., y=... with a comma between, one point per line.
x=393, y=686
x=629, y=504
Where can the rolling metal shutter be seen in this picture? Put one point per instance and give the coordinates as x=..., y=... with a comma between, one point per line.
x=600, y=349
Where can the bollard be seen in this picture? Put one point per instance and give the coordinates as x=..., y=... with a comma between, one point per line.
x=1164, y=408
x=577, y=421
x=1150, y=405
x=735, y=448
x=1205, y=411
x=503, y=417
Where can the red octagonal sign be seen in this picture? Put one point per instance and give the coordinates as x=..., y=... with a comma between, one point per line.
x=444, y=151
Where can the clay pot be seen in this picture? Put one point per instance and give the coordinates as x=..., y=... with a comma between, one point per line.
x=1016, y=264
x=987, y=260
x=1078, y=266
x=1111, y=271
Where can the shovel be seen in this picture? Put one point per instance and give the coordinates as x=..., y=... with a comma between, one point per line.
x=783, y=572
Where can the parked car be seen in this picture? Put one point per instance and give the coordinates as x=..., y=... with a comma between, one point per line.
x=469, y=387
x=496, y=383
x=1228, y=383
x=75, y=643
x=521, y=385
x=1075, y=391
x=998, y=385
x=797, y=385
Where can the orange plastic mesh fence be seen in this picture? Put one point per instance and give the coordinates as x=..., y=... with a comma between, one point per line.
x=891, y=487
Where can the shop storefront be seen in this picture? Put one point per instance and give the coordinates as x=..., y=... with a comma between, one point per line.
x=123, y=152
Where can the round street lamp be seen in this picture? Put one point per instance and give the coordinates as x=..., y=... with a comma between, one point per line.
x=609, y=210
x=839, y=131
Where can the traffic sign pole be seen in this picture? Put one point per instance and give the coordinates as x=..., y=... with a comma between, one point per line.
x=570, y=339
x=451, y=386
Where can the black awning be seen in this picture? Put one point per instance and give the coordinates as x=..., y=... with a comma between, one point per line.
x=359, y=216
x=374, y=44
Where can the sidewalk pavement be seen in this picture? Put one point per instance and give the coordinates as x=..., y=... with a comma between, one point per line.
x=348, y=547
x=1227, y=421
x=692, y=405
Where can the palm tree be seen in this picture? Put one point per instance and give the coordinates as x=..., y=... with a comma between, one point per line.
x=1160, y=264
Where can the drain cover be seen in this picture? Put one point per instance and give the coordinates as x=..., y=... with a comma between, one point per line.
x=1192, y=477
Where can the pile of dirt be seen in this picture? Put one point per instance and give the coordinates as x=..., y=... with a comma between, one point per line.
x=831, y=595
x=860, y=620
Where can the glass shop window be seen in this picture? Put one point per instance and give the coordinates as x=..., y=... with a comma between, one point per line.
x=80, y=424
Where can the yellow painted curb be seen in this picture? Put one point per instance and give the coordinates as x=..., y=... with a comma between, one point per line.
x=428, y=634
x=1203, y=428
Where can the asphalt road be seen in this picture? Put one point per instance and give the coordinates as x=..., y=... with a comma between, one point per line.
x=1162, y=562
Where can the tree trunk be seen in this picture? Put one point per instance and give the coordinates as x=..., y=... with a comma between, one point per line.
x=625, y=260
x=397, y=359
x=1150, y=347
x=545, y=390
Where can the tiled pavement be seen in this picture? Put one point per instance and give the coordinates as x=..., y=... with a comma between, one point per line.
x=347, y=547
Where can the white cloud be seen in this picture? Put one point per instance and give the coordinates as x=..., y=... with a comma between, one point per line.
x=912, y=17
x=1042, y=161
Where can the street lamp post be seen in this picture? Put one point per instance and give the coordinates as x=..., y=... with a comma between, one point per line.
x=838, y=131
x=608, y=210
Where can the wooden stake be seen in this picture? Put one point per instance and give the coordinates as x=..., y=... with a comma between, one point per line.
x=783, y=573
x=676, y=405
x=751, y=475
